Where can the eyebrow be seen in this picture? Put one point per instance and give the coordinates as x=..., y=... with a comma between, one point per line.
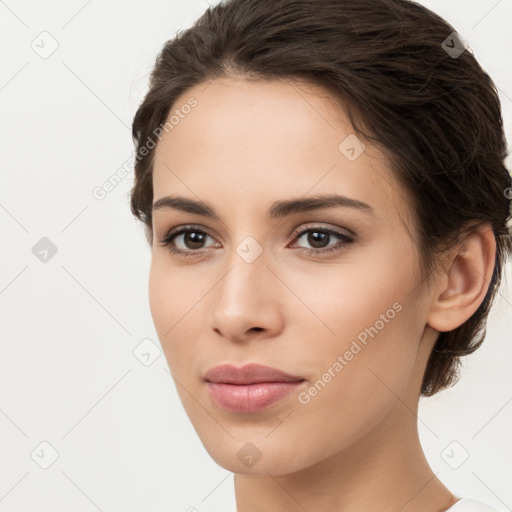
x=278, y=209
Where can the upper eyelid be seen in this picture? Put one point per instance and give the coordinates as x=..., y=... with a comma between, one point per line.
x=179, y=230
x=312, y=225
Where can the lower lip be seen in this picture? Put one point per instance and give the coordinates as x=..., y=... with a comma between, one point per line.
x=250, y=397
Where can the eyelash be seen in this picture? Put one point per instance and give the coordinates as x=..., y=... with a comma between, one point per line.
x=173, y=233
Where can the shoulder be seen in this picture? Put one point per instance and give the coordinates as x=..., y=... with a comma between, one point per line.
x=471, y=505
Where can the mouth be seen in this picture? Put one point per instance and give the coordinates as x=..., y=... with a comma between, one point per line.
x=248, y=374
x=249, y=389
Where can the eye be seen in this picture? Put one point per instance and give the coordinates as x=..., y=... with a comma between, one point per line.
x=319, y=238
x=192, y=240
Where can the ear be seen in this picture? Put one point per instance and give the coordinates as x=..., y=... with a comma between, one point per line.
x=461, y=289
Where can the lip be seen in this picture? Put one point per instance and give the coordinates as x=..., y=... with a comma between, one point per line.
x=248, y=374
x=251, y=388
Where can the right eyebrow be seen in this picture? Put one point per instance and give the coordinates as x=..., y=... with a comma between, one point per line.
x=186, y=205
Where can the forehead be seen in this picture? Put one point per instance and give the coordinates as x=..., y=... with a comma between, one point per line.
x=267, y=139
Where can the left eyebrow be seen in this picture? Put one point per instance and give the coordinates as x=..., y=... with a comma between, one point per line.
x=281, y=209
x=278, y=209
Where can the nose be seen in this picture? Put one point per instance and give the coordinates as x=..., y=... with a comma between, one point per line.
x=247, y=301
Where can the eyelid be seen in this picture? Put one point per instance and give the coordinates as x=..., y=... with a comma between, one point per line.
x=183, y=228
x=319, y=225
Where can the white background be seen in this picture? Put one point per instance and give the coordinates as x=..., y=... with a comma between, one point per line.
x=68, y=328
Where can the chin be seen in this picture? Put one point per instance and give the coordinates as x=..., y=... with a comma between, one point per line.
x=256, y=455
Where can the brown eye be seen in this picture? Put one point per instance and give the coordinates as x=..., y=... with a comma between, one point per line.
x=193, y=239
x=319, y=238
x=185, y=241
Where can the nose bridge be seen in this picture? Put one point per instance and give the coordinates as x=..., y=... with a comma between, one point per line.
x=245, y=298
x=247, y=274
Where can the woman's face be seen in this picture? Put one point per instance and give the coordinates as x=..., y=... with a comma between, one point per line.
x=258, y=289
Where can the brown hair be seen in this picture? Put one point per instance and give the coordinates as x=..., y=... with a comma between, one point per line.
x=437, y=115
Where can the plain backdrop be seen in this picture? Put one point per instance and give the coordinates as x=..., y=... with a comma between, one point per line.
x=87, y=421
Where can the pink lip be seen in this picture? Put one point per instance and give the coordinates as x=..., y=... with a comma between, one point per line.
x=248, y=374
x=250, y=388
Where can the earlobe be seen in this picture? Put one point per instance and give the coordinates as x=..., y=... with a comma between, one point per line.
x=463, y=286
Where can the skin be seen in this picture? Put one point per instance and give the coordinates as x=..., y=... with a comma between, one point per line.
x=355, y=445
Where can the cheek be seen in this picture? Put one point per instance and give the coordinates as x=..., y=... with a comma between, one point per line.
x=173, y=294
x=355, y=383
x=171, y=301
x=347, y=302
x=362, y=327
x=161, y=299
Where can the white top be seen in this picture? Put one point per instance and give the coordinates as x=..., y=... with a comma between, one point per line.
x=471, y=505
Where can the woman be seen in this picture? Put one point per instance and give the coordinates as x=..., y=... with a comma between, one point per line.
x=324, y=191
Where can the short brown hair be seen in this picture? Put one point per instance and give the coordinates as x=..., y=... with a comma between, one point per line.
x=436, y=115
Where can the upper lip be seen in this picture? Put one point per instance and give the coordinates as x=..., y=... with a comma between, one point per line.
x=248, y=374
